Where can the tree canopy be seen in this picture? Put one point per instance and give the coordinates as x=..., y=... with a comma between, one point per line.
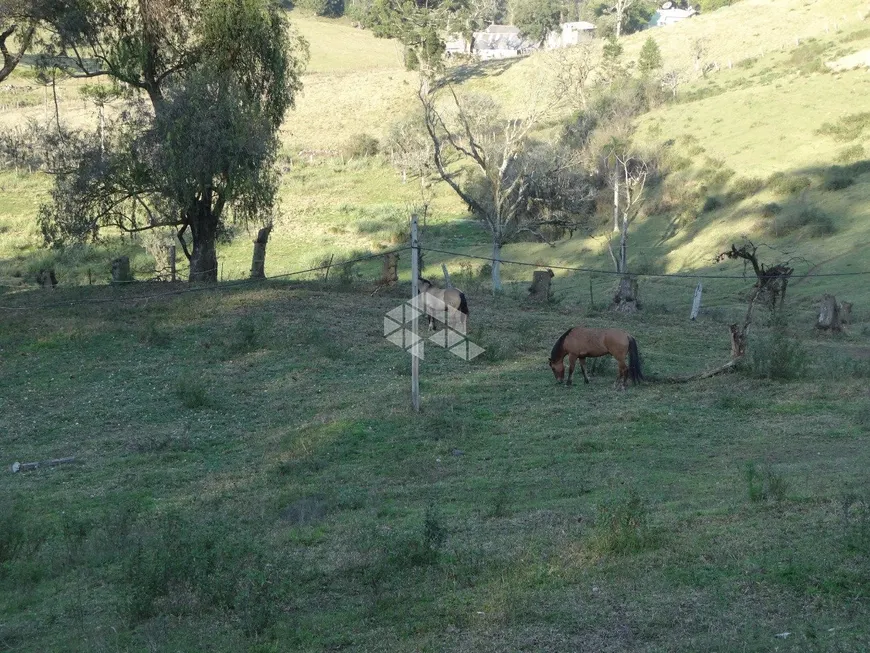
x=218, y=75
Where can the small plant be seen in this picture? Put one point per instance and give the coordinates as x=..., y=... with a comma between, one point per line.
x=855, y=517
x=848, y=128
x=155, y=336
x=623, y=525
x=192, y=393
x=248, y=334
x=851, y=154
x=765, y=484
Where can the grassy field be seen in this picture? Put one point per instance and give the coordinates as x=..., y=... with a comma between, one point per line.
x=249, y=477
x=248, y=473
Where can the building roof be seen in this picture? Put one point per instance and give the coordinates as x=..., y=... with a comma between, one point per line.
x=580, y=25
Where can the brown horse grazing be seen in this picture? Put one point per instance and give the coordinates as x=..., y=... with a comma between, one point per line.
x=580, y=343
x=438, y=301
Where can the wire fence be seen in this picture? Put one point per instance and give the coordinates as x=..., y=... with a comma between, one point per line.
x=472, y=272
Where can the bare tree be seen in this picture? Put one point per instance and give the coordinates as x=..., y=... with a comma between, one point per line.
x=671, y=81
x=699, y=51
x=503, y=194
x=572, y=68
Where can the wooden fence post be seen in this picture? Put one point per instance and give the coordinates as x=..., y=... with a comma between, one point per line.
x=172, y=270
x=696, y=302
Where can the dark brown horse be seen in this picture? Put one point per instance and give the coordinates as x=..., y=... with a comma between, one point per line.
x=580, y=343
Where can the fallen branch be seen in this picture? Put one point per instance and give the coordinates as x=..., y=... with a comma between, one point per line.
x=730, y=366
x=26, y=467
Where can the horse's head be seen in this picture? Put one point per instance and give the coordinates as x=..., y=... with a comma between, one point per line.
x=558, y=367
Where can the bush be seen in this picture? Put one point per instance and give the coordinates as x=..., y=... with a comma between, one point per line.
x=712, y=203
x=848, y=128
x=746, y=187
x=813, y=221
x=788, y=184
x=837, y=179
x=807, y=57
x=777, y=357
x=851, y=154
x=360, y=146
x=331, y=8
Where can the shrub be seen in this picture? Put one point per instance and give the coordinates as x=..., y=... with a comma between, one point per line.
x=788, y=184
x=848, y=128
x=744, y=187
x=810, y=219
x=711, y=204
x=807, y=57
x=836, y=178
x=332, y=8
x=359, y=146
x=777, y=357
x=771, y=210
x=851, y=154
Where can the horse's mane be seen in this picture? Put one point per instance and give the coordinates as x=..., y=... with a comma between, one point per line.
x=425, y=281
x=558, y=346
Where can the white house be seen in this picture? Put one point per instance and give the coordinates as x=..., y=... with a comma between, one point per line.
x=501, y=42
x=671, y=15
x=570, y=34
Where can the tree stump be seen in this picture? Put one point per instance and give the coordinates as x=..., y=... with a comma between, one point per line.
x=46, y=278
x=738, y=341
x=829, y=315
x=258, y=263
x=626, y=299
x=390, y=274
x=540, y=288
x=845, y=310
x=121, y=270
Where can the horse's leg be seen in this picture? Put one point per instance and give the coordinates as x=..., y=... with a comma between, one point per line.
x=623, y=372
x=572, y=359
x=583, y=368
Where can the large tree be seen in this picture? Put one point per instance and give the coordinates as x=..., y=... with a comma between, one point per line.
x=215, y=79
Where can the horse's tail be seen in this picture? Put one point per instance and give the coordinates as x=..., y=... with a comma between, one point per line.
x=463, y=303
x=634, y=361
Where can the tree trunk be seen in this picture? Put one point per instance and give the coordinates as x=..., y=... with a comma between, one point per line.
x=121, y=270
x=623, y=246
x=626, y=299
x=540, y=289
x=615, y=198
x=829, y=315
x=258, y=263
x=496, y=266
x=203, y=258
x=390, y=274
x=738, y=340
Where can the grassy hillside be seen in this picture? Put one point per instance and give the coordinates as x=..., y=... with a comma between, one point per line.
x=249, y=477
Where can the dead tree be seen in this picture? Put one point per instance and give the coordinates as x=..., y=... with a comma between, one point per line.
x=771, y=283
